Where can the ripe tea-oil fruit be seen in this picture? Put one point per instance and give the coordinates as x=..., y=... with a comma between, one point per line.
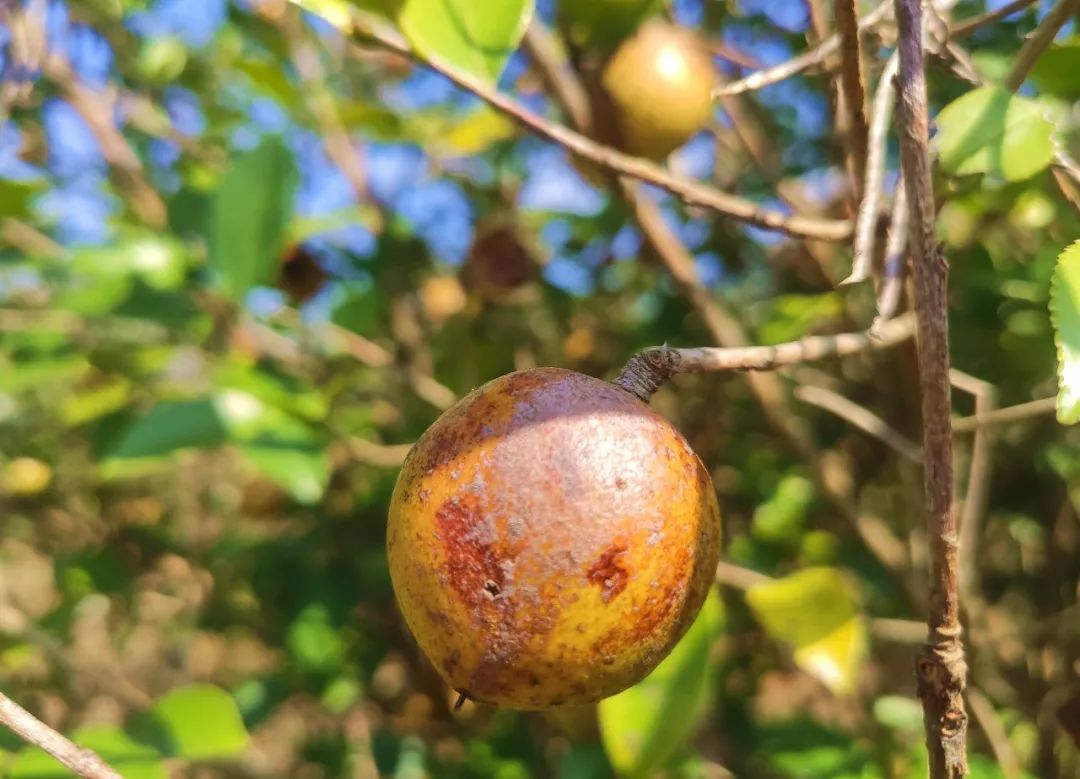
x=550, y=539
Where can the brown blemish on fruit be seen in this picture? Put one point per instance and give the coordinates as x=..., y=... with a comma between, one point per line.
x=609, y=573
x=473, y=566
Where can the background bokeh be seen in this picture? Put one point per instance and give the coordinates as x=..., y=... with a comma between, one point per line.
x=243, y=266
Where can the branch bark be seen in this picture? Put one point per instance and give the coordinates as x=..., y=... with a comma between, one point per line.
x=853, y=89
x=82, y=762
x=941, y=667
x=691, y=192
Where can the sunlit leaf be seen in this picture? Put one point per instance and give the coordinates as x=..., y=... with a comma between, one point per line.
x=97, y=401
x=199, y=722
x=644, y=726
x=782, y=517
x=477, y=37
x=989, y=130
x=131, y=759
x=815, y=611
x=475, y=133
x=898, y=712
x=17, y=196
x=1065, y=315
x=249, y=214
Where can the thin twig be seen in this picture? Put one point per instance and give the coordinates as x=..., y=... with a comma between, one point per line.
x=82, y=762
x=862, y=418
x=647, y=370
x=692, y=192
x=987, y=718
x=888, y=299
x=96, y=110
x=1018, y=413
x=853, y=90
x=977, y=489
x=866, y=221
x=1038, y=42
x=338, y=145
x=941, y=667
x=809, y=59
x=970, y=25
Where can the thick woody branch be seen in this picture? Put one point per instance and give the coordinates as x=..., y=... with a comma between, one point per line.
x=692, y=192
x=82, y=762
x=940, y=667
x=647, y=370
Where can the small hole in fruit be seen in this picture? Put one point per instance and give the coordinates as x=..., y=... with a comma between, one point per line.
x=491, y=588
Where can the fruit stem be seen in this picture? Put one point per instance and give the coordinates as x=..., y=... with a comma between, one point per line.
x=647, y=370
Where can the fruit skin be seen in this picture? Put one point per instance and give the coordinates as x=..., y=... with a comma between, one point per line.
x=550, y=539
x=659, y=87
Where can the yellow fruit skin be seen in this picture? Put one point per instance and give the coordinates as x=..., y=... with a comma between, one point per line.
x=659, y=85
x=550, y=538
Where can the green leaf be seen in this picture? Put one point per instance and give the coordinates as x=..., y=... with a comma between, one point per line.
x=303, y=471
x=476, y=37
x=645, y=725
x=1056, y=70
x=898, y=712
x=782, y=517
x=200, y=722
x=475, y=133
x=16, y=197
x=249, y=214
x=989, y=130
x=131, y=759
x=816, y=611
x=170, y=426
x=1065, y=316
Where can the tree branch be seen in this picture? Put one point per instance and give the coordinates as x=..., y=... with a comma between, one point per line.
x=26, y=726
x=853, y=90
x=647, y=370
x=968, y=26
x=1038, y=42
x=941, y=667
x=1001, y=416
x=862, y=418
x=692, y=192
x=866, y=222
x=805, y=61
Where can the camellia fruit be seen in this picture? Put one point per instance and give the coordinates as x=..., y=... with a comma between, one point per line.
x=550, y=539
x=659, y=85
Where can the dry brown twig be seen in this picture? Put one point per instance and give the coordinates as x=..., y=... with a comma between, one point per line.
x=862, y=418
x=866, y=221
x=809, y=59
x=853, y=92
x=941, y=668
x=691, y=192
x=82, y=762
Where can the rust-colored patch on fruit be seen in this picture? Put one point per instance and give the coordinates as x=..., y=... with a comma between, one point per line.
x=473, y=566
x=609, y=573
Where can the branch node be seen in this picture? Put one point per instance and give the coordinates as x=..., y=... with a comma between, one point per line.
x=647, y=370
